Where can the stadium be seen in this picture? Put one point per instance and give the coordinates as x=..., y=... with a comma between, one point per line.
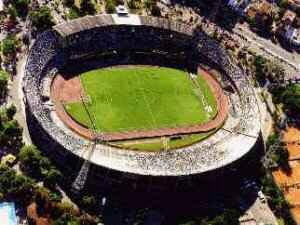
x=137, y=100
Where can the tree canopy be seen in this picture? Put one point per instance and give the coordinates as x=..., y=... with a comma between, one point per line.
x=42, y=18
x=10, y=131
x=3, y=83
x=73, y=12
x=291, y=97
x=9, y=46
x=68, y=3
x=30, y=159
x=21, y=7
x=12, y=185
x=87, y=7
x=266, y=69
x=110, y=6
x=38, y=166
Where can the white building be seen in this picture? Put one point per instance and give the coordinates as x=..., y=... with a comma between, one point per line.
x=240, y=6
x=293, y=36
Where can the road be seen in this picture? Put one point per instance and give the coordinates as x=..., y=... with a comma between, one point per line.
x=262, y=213
x=267, y=47
x=15, y=96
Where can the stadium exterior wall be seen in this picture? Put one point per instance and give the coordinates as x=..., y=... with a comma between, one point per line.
x=88, y=36
x=104, y=179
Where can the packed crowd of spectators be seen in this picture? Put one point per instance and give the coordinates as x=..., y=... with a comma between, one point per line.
x=51, y=50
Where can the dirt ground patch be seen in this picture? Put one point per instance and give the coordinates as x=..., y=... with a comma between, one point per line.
x=292, y=139
x=290, y=183
x=70, y=89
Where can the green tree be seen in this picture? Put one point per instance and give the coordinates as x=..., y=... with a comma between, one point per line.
x=283, y=3
x=21, y=7
x=68, y=3
x=151, y=6
x=3, y=83
x=291, y=98
x=276, y=72
x=73, y=13
x=17, y=186
x=30, y=158
x=9, y=46
x=148, y=4
x=42, y=18
x=66, y=219
x=12, y=12
x=38, y=166
x=11, y=111
x=11, y=128
x=260, y=66
x=89, y=202
x=6, y=177
x=260, y=62
x=10, y=134
x=64, y=211
x=110, y=6
x=87, y=7
x=45, y=165
x=134, y=4
x=231, y=217
x=22, y=186
x=52, y=177
x=10, y=131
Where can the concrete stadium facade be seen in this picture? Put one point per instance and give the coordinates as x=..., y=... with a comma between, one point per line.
x=136, y=40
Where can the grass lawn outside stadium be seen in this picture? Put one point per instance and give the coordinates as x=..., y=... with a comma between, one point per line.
x=135, y=98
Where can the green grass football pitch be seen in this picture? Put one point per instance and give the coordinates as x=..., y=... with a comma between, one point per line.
x=142, y=98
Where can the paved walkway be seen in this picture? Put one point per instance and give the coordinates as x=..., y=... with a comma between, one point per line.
x=267, y=47
x=258, y=213
x=15, y=96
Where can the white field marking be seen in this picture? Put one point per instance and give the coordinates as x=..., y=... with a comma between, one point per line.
x=91, y=102
x=204, y=101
